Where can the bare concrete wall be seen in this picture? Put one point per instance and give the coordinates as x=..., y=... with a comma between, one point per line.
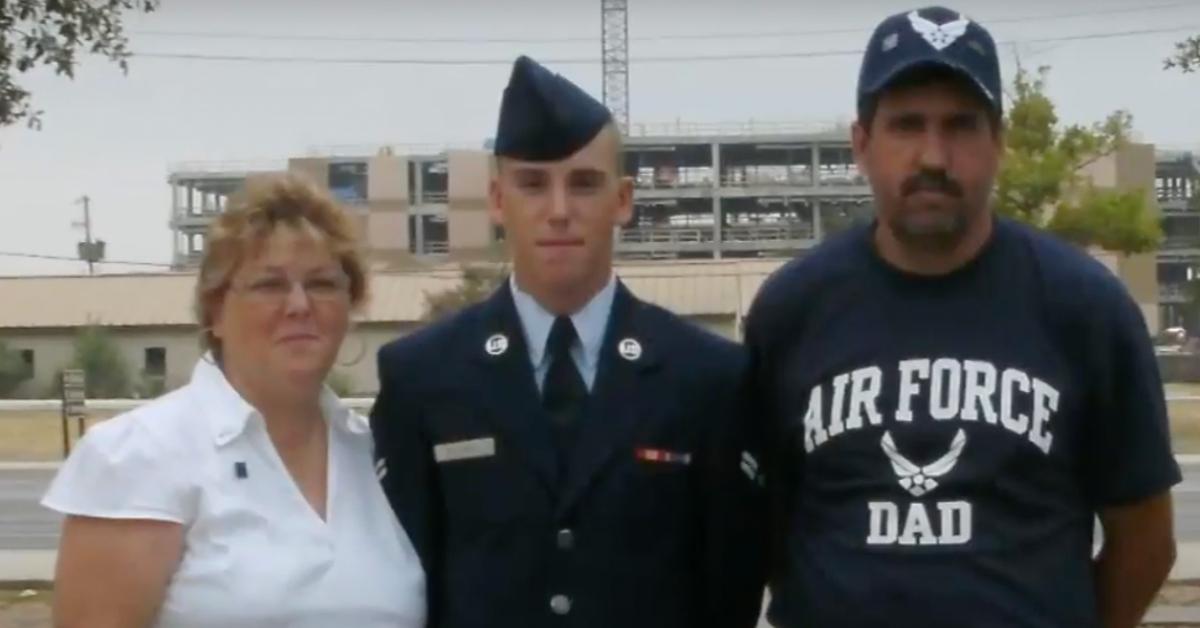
x=315, y=169
x=470, y=232
x=470, y=171
x=387, y=231
x=387, y=178
x=1139, y=275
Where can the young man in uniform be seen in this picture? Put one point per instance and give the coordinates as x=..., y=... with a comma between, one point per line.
x=956, y=396
x=564, y=454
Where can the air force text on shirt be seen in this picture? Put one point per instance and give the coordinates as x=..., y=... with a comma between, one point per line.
x=967, y=392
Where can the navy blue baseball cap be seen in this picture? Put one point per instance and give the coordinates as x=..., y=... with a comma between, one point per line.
x=545, y=117
x=931, y=37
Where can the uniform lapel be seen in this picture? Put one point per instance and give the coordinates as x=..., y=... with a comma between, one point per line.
x=626, y=359
x=508, y=390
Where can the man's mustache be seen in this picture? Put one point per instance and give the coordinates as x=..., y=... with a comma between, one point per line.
x=932, y=181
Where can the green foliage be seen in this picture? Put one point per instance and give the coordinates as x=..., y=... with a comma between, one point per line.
x=52, y=33
x=478, y=282
x=150, y=386
x=107, y=372
x=1187, y=56
x=12, y=370
x=1040, y=181
x=1112, y=220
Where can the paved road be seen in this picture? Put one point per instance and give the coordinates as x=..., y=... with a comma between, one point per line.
x=24, y=525
x=1187, y=505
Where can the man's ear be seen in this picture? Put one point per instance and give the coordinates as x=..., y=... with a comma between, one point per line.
x=495, y=202
x=860, y=136
x=625, y=199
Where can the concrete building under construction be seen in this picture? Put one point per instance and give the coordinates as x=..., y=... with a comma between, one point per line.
x=1177, y=185
x=702, y=192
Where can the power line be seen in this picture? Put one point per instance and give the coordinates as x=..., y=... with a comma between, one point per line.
x=593, y=39
x=64, y=258
x=749, y=56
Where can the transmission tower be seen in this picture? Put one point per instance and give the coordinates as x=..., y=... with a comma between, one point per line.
x=614, y=19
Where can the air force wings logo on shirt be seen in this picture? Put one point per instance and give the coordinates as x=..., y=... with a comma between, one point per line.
x=919, y=480
x=914, y=524
x=940, y=36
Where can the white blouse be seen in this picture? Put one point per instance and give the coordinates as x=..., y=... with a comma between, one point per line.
x=255, y=551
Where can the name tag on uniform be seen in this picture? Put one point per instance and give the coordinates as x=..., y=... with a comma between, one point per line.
x=646, y=454
x=465, y=450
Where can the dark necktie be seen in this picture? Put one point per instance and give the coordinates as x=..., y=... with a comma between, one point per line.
x=563, y=393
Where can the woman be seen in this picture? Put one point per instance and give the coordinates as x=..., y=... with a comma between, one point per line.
x=248, y=497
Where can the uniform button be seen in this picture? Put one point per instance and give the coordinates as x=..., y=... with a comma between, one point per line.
x=560, y=604
x=566, y=539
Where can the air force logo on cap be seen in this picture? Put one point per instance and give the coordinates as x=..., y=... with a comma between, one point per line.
x=545, y=117
x=933, y=36
x=940, y=36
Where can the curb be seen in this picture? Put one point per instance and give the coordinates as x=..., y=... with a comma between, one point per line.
x=1172, y=615
x=40, y=466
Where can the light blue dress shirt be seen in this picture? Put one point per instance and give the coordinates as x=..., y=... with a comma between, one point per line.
x=590, y=324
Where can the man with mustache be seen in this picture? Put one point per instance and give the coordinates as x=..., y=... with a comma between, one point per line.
x=565, y=454
x=954, y=396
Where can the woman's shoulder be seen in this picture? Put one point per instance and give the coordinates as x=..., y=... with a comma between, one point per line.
x=167, y=425
x=135, y=465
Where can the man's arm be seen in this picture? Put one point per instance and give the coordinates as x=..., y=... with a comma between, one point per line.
x=1129, y=464
x=404, y=462
x=1138, y=552
x=735, y=512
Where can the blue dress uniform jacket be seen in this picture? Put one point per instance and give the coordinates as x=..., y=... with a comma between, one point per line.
x=656, y=523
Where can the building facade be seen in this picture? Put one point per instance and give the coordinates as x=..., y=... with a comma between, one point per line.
x=702, y=192
x=1177, y=177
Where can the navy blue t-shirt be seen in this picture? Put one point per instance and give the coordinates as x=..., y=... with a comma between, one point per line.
x=944, y=443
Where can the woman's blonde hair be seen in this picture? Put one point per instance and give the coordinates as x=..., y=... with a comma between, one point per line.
x=251, y=216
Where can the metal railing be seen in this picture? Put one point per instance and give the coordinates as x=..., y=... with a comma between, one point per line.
x=436, y=248
x=669, y=235
x=1181, y=242
x=358, y=404
x=745, y=127
x=205, y=214
x=851, y=177
x=780, y=233
x=1172, y=293
x=1178, y=204
x=707, y=235
x=407, y=149
x=675, y=181
x=237, y=167
x=801, y=179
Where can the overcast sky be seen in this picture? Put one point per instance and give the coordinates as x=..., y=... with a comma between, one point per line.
x=115, y=137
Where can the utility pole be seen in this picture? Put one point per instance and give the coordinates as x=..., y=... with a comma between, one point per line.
x=89, y=251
